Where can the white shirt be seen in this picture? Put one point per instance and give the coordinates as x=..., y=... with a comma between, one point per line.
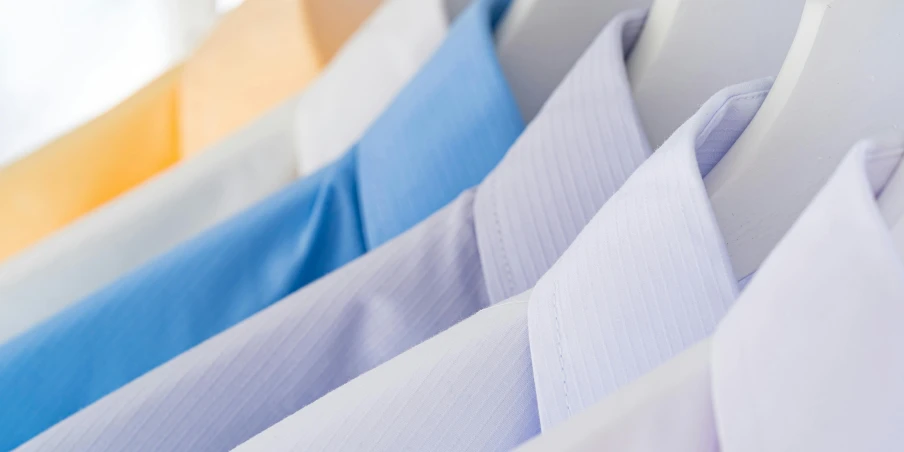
x=647, y=277
x=809, y=358
x=295, y=139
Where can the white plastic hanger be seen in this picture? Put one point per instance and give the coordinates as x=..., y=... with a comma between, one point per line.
x=842, y=80
x=538, y=41
x=690, y=49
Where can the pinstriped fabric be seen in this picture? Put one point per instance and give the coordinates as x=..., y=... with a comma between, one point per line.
x=237, y=384
x=569, y=161
x=262, y=255
x=368, y=335
x=808, y=358
x=354, y=416
x=151, y=316
x=666, y=410
x=655, y=239
x=647, y=278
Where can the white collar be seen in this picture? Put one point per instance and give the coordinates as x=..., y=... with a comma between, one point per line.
x=390, y=48
x=808, y=359
x=812, y=356
x=584, y=144
x=647, y=278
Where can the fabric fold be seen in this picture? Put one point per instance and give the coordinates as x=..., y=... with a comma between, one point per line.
x=265, y=253
x=260, y=54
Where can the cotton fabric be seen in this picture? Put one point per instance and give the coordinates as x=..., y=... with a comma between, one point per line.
x=572, y=157
x=300, y=136
x=442, y=134
x=807, y=359
x=261, y=53
x=647, y=276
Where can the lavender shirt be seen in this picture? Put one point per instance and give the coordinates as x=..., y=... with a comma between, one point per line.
x=489, y=244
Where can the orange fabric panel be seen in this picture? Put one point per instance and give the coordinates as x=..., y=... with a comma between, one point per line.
x=332, y=22
x=260, y=54
x=89, y=166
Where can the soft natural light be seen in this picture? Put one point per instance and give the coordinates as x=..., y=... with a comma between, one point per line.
x=227, y=5
x=62, y=62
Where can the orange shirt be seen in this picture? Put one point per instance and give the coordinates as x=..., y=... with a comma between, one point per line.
x=260, y=54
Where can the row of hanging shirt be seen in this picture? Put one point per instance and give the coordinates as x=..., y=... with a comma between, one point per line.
x=393, y=261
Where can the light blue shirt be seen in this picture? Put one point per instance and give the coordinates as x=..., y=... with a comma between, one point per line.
x=492, y=242
x=442, y=135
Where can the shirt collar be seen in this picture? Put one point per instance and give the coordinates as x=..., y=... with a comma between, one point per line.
x=576, y=153
x=810, y=357
x=648, y=277
x=442, y=134
x=807, y=359
x=362, y=79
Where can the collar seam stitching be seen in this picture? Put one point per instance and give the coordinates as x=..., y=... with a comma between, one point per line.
x=509, y=278
x=559, y=347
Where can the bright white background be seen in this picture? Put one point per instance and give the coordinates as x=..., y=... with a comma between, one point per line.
x=63, y=62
